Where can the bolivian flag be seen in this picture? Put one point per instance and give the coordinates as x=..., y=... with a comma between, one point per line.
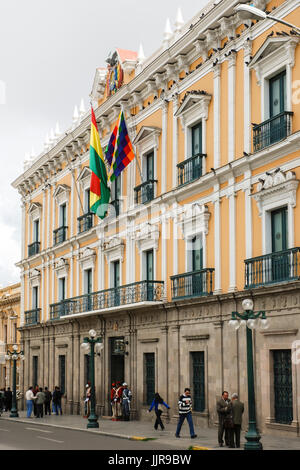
x=99, y=191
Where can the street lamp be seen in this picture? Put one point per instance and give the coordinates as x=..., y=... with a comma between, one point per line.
x=252, y=321
x=257, y=14
x=94, y=345
x=14, y=355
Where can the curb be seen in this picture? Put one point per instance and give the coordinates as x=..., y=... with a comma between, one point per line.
x=199, y=448
x=138, y=438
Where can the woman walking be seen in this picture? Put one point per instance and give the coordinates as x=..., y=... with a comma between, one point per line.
x=157, y=405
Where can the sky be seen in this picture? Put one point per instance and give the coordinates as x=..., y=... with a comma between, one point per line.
x=49, y=51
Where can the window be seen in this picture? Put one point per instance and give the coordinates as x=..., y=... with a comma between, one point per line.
x=63, y=215
x=36, y=230
x=116, y=282
x=149, y=378
x=116, y=195
x=198, y=379
x=5, y=334
x=62, y=374
x=283, y=391
x=35, y=298
x=61, y=289
x=86, y=201
x=277, y=94
x=88, y=288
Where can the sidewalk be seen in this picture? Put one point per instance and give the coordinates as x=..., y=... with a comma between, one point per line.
x=140, y=430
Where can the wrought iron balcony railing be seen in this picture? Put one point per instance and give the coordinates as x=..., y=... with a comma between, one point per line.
x=281, y=266
x=85, y=222
x=33, y=317
x=59, y=235
x=271, y=131
x=34, y=248
x=145, y=192
x=190, y=170
x=124, y=295
x=192, y=284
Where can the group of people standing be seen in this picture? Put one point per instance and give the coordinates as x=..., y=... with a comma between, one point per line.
x=230, y=414
x=5, y=399
x=39, y=401
x=120, y=398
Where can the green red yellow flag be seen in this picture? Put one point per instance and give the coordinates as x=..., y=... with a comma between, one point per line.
x=99, y=191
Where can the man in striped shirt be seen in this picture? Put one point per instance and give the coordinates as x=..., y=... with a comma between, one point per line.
x=185, y=412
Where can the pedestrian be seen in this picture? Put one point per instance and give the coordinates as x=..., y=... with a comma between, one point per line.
x=185, y=412
x=223, y=410
x=47, y=403
x=35, y=391
x=126, y=399
x=237, y=414
x=1, y=401
x=87, y=401
x=40, y=400
x=56, y=399
x=117, y=402
x=157, y=404
x=29, y=396
x=8, y=399
x=112, y=396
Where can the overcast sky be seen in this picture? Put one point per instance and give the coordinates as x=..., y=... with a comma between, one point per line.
x=49, y=51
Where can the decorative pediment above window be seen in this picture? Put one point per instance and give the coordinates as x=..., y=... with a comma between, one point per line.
x=87, y=258
x=274, y=53
x=35, y=210
x=147, y=237
x=84, y=178
x=113, y=249
x=147, y=138
x=193, y=106
x=35, y=278
x=61, y=194
x=275, y=189
x=194, y=220
x=61, y=267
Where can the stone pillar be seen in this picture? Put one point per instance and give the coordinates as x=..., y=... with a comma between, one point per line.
x=218, y=365
x=217, y=115
x=174, y=366
x=231, y=106
x=164, y=147
x=75, y=391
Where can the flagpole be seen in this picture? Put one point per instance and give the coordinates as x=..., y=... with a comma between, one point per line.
x=136, y=157
x=76, y=188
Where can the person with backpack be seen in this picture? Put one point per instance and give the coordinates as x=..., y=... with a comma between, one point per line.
x=158, y=404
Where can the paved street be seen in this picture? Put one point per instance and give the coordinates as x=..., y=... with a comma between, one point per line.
x=71, y=433
x=22, y=436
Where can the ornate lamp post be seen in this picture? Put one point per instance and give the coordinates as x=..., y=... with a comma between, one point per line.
x=257, y=14
x=252, y=320
x=14, y=355
x=94, y=345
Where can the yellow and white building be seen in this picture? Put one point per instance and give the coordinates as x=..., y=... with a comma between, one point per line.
x=214, y=117
x=10, y=299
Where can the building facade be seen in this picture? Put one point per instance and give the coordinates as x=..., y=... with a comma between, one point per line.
x=204, y=217
x=10, y=300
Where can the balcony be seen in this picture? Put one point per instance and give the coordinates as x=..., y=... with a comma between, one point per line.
x=85, y=222
x=59, y=235
x=190, y=170
x=271, y=131
x=145, y=192
x=138, y=292
x=282, y=266
x=33, y=317
x=192, y=284
x=34, y=249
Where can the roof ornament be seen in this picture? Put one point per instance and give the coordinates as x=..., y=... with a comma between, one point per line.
x=168, y=33
x=179, y=21
x=82, y=109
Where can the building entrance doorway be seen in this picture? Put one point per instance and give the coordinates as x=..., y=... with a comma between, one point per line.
x=117, y=352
